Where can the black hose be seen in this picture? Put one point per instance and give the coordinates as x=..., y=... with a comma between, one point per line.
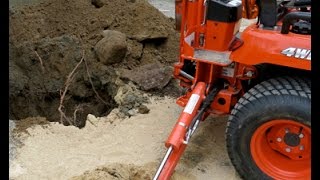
x=291, y=17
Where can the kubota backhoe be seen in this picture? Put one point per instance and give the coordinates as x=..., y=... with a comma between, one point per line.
x=260, y=77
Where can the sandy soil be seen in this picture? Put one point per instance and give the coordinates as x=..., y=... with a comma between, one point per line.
x=131, y=148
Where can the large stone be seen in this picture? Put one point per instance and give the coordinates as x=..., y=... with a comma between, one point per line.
x=112, y=48
x=149, y=77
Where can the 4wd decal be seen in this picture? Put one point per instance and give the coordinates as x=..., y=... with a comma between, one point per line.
x=297, y=53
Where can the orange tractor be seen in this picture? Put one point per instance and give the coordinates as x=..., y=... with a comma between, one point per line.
x=260, y=77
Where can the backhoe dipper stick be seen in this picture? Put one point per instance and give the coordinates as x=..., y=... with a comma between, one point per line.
x=177, y=139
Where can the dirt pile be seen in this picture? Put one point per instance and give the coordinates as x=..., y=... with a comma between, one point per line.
x=47, y=41
x=119, y=172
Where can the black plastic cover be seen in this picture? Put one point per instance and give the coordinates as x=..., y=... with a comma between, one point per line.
x=224, y=10
x=301, y=27
x=268, y=13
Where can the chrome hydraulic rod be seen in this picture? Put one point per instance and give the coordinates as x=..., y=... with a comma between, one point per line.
x=164, y=160
x=186, y=75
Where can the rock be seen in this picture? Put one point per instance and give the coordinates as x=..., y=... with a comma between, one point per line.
x=112, y=48
x=150, y=76
x=92, y=118
x=97, y=3
x=143, y=109
x=132, y=112
x=127, y=97
x=143, y=36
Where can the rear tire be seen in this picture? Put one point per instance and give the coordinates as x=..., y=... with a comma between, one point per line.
x=263, y=131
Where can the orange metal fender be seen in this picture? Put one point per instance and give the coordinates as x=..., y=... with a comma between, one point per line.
x=270, y=46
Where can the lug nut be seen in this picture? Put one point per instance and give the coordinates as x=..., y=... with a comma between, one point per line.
x=288, y=150
x=301, y=136
x=249, y=74
x=287, y=130
x=279, y=139
x=301, y=148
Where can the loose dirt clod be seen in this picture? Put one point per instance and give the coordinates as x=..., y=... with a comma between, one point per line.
x=143, y=109
x=97, y=3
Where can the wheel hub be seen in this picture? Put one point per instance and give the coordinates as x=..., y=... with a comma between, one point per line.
x=289, y=141
x=292, y=139
x=281, y=149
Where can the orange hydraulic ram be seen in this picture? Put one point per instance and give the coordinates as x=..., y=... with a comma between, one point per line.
x=184, y=128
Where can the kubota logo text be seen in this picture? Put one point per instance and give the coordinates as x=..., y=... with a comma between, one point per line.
x=297, y=53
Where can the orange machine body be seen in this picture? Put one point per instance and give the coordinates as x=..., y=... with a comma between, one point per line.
x=212, y=49
x=203, y=41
